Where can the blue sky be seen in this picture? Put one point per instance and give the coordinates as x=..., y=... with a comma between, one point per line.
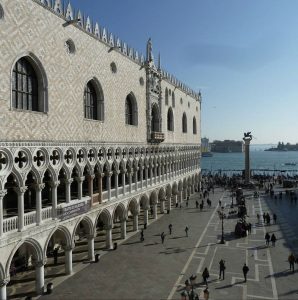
x=242, y=55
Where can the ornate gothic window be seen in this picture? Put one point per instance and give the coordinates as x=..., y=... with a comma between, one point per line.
x=155, y=119
x=131, y=110
x=166, y=96
x=184, y=123
x=93, y=101
x=194, y=124
x=28, y=90
x=170, y=119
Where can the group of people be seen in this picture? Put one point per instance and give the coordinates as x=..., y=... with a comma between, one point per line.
x=269, y=239
x=267, y=218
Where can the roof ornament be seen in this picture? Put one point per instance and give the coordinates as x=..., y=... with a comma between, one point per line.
x=150, y=57
x=69, y=12
x=88, y=25
x=58, y=7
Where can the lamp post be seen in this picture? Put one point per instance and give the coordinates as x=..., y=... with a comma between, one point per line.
x=221, y=214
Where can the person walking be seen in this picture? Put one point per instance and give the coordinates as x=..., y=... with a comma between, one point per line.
x=258, y=217
x=267, y=238
x=187, y=201
x=197, y=204
x=291, y=260
x=162, y=237
x=273, y=239
x=222, y=268
x=274, y=218
x=205, y=276
x=245, y=270
x=55, y=254
x=264, y=218
x=142, y=235
x=170, y=228
x=186, y=231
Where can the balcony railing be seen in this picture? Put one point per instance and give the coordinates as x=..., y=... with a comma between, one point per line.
x=157, y=137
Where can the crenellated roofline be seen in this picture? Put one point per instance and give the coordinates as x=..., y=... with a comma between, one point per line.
x=93, y=29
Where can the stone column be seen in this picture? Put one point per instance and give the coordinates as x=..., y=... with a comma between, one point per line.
x=146, y=216
x=109, y=174
x=68, y=259
x=155, y=211
x=155, y=174
x=175, y=199
x=39, y=277
x=21, y=191
x=90, y=186
x=135, y=222
x=91, y=256
x=180, y=196
x=54, y=185
x=130, y=180
x=3, y=284
x=2, y=194
x=162, y=206
x=123, y=229
x=146, y=176
x=116, y=183
x=159, y=173
x=247, y=138
x=100, y=176
x=38, y=189
x=142, y=172
x=123, y=181
x=136, y=179
x=151, y=175
x=192, y=189
x=67, y=189
x=169, y=206
x=162, y=171
x=80, y=187
x=109, y=240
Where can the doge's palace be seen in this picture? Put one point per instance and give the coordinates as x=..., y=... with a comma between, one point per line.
x=94, y=136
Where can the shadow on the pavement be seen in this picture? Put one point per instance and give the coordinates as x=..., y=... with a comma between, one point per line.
x=21, y=295
x=54, y=275
x=281, y=274
x=289, y=293
x=178, y=237
x=132, y=243
x=224, y=286
x=152, y=244
x=14, y=281
x=176, y=250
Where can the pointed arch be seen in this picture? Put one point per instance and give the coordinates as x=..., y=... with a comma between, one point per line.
x=166, y=96
x=194, y=125
x=184, y=123
x=131, y=110
x=170, y=119
x=155, y=119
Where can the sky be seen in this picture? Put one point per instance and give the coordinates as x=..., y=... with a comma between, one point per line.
x=241, y=55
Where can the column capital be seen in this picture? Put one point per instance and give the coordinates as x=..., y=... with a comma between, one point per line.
x=20, y=190
x=90, y=177
x=80, y=179
x=2, y=193
x=40, y=263
x=109, y=174
x=4, y=282
x=68, y=247
x=107, y=227
x=39, y=186
x=117, y=172
x=69, y=180
x=90, y=236
x=54, y=184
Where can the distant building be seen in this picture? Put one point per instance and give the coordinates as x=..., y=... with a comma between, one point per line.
x=205, y=146
x=227, y=146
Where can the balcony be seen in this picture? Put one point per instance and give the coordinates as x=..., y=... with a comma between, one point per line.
x=157, y=137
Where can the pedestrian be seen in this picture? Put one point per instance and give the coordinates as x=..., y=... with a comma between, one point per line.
x=258, y=217
x=264, y=218
x=274, y=218
x=170, y=228
x=197, y=204
x=273, y=239
x=219, y=203
x=249, y=228
x=55, y=254
x=151, y=210
x=176, y=204
x=245, y=270
x=142, y=235
x=205, y=276
x=187, y=202
x=222, y=268
x=291, y=260
x=186, y=231
x=268, y=218
x=267, y=238
x=162, y=237
x=145, y=225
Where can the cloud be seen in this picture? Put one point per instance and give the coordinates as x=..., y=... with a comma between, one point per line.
x=240, y=58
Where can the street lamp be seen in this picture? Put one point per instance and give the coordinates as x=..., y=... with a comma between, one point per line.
x=221, y=215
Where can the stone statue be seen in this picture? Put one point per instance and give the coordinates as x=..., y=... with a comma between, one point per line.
x=150, y=57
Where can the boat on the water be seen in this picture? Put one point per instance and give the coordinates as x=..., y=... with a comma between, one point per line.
x=207, y=154
x=290, y=164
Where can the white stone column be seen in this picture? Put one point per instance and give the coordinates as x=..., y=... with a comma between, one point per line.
x=109, y=240
x=151, y=175
x=80, y=186
x=146, y=216
x=91, y=256
x=175, y=199
x=155, y=211
x=90, y=186
x=2, y=194
x=67, y=189
x=123, y=229
x=54, y=185
x=162, y=205
x=109, y=174
x=123, y=181
x=116, y=183
x=136, y=179
x=142, y=173
x=130, y=181
x=3, y=284
x=159, y=173
x=155, y=174
x=38, y=189
x=135, y=222
x=162, y=171
x=192, y=189
x=180, y=196
x=21, y=191
x=146, y=176
x=39, y=277
x=68, y=260
x=169, y=206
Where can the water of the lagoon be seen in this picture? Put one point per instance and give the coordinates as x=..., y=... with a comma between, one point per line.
x=268, y=160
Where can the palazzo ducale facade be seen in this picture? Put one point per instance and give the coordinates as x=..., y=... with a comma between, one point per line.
x=94, y=136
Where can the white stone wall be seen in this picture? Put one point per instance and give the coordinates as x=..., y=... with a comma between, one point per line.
x=28, y=27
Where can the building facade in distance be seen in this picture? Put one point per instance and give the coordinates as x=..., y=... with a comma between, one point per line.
x=93, y=135
x=227, y=146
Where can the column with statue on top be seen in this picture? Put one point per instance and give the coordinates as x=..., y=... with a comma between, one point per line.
x=247, y=138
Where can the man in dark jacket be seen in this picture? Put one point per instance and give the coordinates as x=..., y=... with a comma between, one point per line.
x=245, y=270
